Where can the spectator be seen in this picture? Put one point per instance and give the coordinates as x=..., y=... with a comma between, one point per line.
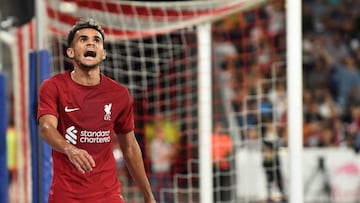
x=252, y=139
x=319, y=75
x=224, y=49
x=272, y=168
x=278, y=99
x=327, y=137
x=312, y=125
x=221, y=149
x=161, y=154
x=328, y=109
x=353, y=126
x=336, y=47
x=357, y=56
x=11, y=153
x=347, y=78
x=11, y=163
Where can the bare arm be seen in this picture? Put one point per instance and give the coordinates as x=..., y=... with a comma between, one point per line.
x=80, y=158
x=135, y=165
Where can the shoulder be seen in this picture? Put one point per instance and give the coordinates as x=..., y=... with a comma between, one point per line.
x=58, y=78
x=113, y=85
x=55, y=80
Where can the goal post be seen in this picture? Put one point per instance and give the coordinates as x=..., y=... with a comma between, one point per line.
x=294, y=94
x=205, y=112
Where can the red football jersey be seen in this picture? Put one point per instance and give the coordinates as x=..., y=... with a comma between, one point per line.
x=88, y=117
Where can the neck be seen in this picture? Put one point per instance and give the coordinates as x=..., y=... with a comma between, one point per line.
x=86, y=77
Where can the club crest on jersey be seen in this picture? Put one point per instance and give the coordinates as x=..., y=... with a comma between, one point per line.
x=107, y=109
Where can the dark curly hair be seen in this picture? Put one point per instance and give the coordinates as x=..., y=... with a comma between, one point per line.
x=87, y=23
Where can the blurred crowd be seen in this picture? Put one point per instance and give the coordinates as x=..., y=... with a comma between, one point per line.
x=253, y=58
x=331, y=56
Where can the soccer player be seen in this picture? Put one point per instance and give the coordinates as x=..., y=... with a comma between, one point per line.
x=79, y=113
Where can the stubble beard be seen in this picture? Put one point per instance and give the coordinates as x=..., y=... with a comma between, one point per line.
x=87, y=67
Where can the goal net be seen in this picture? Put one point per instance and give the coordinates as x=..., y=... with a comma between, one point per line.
x=154, y=48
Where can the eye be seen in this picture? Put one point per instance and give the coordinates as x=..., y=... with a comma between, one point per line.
x=82, y=39
x=97, y=39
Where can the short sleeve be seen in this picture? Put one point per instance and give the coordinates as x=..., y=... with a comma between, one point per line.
x=125, y=121
x=47, y=100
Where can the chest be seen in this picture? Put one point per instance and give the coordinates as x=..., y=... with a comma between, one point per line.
x=92, y=108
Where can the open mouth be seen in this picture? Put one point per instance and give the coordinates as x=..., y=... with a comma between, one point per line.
x=90, y=54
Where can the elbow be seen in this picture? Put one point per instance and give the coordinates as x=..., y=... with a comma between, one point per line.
x=45, y=130
x=47, y=124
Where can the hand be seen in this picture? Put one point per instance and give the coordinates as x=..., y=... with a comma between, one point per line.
x=80, y=158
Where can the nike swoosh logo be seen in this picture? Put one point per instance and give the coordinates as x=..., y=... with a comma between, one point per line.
x=67, y=109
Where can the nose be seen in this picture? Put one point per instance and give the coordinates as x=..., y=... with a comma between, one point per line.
x=90, y=44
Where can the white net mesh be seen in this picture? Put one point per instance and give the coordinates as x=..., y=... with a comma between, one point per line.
x=152, y=48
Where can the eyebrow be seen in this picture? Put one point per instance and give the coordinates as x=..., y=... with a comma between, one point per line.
x=86, y=36
x=98, y=37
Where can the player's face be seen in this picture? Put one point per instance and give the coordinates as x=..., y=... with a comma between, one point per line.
x=87, y=49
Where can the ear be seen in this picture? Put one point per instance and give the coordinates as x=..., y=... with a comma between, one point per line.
x=104, y=55
x=70, y=52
